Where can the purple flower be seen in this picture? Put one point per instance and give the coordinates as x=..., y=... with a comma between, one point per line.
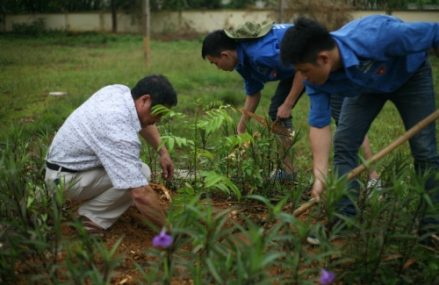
x=326, y=277
x=162, y=240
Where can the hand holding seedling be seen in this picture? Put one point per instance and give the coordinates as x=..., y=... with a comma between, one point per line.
x=242, y=126
x=166, y=164
x=284, y=111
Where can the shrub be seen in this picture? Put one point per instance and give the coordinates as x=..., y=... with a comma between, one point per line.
x=332, y=13
x=35, y=28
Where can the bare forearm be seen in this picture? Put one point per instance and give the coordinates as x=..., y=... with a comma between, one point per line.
x=320, y=139
x=148, y=204
x=284, y=110
x=151, y=135
x=251, y=104
x=296, y=90
x=367, y=149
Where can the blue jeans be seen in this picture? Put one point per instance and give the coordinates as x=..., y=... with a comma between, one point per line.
x=415, y=100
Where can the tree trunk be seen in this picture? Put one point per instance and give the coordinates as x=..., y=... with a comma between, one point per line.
x=146, y=31
x=113, y=16
x=280, y=11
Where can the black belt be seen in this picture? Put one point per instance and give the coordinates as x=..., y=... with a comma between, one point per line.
x=56, y=167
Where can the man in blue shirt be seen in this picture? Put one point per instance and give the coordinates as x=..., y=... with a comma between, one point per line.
x=369, y=60
x=258, y=61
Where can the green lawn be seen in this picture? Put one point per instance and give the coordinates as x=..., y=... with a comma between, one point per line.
x=31, y=67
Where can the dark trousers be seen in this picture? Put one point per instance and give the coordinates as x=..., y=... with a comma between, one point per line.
x=415, y=100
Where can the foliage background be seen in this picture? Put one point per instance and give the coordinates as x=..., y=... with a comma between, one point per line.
x=56, y=6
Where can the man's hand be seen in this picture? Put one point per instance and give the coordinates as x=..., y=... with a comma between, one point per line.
x=250, y=105
x=152, y=136
x=320, y=139
x=148, y=203
x=284, y=111
x=167, y=164
x=317, y=189
x=242, y=127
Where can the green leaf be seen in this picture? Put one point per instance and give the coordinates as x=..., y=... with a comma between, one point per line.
x=217, y=181
x=213, y=271
x=269, y=258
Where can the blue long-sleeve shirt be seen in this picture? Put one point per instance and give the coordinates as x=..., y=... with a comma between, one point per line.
x=259, y=60
x=379, y=54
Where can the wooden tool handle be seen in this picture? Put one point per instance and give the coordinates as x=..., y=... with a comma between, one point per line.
x=356, y=171
x=402, y=139
x=305, y=206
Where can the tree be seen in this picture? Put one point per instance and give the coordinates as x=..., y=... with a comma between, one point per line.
x=113, y=16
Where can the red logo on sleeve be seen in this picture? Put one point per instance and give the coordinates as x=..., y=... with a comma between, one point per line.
x=381, y=70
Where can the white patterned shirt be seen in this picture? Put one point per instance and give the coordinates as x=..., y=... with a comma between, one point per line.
x=102, y=132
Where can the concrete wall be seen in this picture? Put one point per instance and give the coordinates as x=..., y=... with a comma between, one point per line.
x=410, y=16
x=170, y=22
x=205, y=21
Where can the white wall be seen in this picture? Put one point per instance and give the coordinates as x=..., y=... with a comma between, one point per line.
x=409, y=16
x=204, y=21
x=169, y=22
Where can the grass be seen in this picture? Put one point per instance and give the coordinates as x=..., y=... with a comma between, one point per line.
x=31, y=67
x=81, y=64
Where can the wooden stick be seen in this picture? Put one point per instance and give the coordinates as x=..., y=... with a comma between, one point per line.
x=305, y=206
x=402, y=139
x=357, y=170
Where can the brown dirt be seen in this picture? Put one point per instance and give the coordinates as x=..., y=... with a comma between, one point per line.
x=137, y=240
x=137, y=237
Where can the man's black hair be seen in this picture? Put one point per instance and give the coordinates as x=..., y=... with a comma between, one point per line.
x=215, y=43
x=158, y=87
x=302, y=42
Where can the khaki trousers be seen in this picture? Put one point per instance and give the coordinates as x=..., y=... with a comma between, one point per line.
x=94, y=192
